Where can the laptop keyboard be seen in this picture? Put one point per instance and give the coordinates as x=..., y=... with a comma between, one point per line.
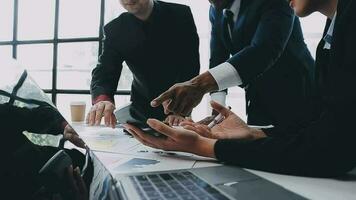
x=174, y=186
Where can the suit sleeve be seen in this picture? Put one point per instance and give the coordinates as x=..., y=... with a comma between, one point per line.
x=105, y=76
x=268, y=43
x=190, y=48
x=323, y=148
x=218, y=52
x=42, y=120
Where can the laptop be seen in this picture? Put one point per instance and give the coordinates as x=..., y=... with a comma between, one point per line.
x=211, y=183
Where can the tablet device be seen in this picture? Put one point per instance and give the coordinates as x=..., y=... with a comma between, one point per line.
x=130, y=115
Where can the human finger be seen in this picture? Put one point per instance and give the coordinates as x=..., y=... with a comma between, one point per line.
x=113, y=121
x=162, y=98
x=162, y=128
x=92, y=115
x=197, y=130
x=140, y=136
x=186, y=122
x=99, y=113
x=108, y=111
x=220, y=108
x=176, y=120
x=171, y=120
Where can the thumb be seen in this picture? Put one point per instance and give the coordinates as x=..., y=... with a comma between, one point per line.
x=162, y=98
x=220, y=108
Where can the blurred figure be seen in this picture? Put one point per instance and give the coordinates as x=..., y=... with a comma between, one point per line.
x=25, y=107
x=24, y=159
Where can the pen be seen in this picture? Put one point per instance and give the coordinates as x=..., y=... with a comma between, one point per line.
x=219, y=118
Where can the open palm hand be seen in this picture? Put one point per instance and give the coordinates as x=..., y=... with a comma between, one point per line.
x=232, y=127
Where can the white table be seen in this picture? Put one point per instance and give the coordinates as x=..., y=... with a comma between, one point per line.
x=114, y=162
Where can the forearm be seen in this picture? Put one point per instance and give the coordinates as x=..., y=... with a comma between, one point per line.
x=205, y=147
x=106, y=74
x=308, y=152
x=46, y=120
x=104, y=81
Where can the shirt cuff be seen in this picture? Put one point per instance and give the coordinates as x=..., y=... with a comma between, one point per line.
x=64, y=124
x=225, y=76
x=219, y=97
x=103, y=97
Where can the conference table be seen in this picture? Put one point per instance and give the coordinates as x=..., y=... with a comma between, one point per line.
x=114, y=152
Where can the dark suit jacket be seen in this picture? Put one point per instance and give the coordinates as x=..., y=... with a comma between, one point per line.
x=160, y=52
x=326, y=145
x=269, y=53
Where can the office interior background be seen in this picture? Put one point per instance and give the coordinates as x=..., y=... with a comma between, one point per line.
x=59, y=41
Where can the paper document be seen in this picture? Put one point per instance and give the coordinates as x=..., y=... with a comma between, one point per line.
x=106, y=139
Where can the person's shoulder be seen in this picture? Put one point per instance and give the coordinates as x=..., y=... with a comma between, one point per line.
x=173, y=5
x=348, y=6
x=115, y=24
x=256, y=4
x=262, y=6
x=175, y=8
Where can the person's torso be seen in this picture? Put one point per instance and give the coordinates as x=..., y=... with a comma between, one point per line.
x=336, y=67
x=296, y=56
x=152, y=49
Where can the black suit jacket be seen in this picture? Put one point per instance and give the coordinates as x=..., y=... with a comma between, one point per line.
x=160, y=52
x=269, y=53
x=326, y=145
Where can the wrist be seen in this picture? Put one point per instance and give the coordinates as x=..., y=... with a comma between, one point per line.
x=103, y=97
x=205, y=147
x=205, y=82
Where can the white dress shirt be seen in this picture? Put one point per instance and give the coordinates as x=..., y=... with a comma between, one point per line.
x=225, y=74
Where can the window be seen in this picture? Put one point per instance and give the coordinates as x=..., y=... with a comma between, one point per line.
x=59, y=42
x=36, y=19
x=6, y=20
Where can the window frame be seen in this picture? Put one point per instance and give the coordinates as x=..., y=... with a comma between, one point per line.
x=54, y=91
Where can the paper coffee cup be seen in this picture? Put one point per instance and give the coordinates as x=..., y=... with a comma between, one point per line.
x=77, y=110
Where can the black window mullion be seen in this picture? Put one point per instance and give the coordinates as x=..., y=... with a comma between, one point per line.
x=101, y=26
x=59, y=91
x=15, y=28
x=68, y=40
x=55, y=54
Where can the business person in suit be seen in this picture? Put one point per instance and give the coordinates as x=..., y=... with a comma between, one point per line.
x=323, y=147
x=259, y=46
x=160, y=45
